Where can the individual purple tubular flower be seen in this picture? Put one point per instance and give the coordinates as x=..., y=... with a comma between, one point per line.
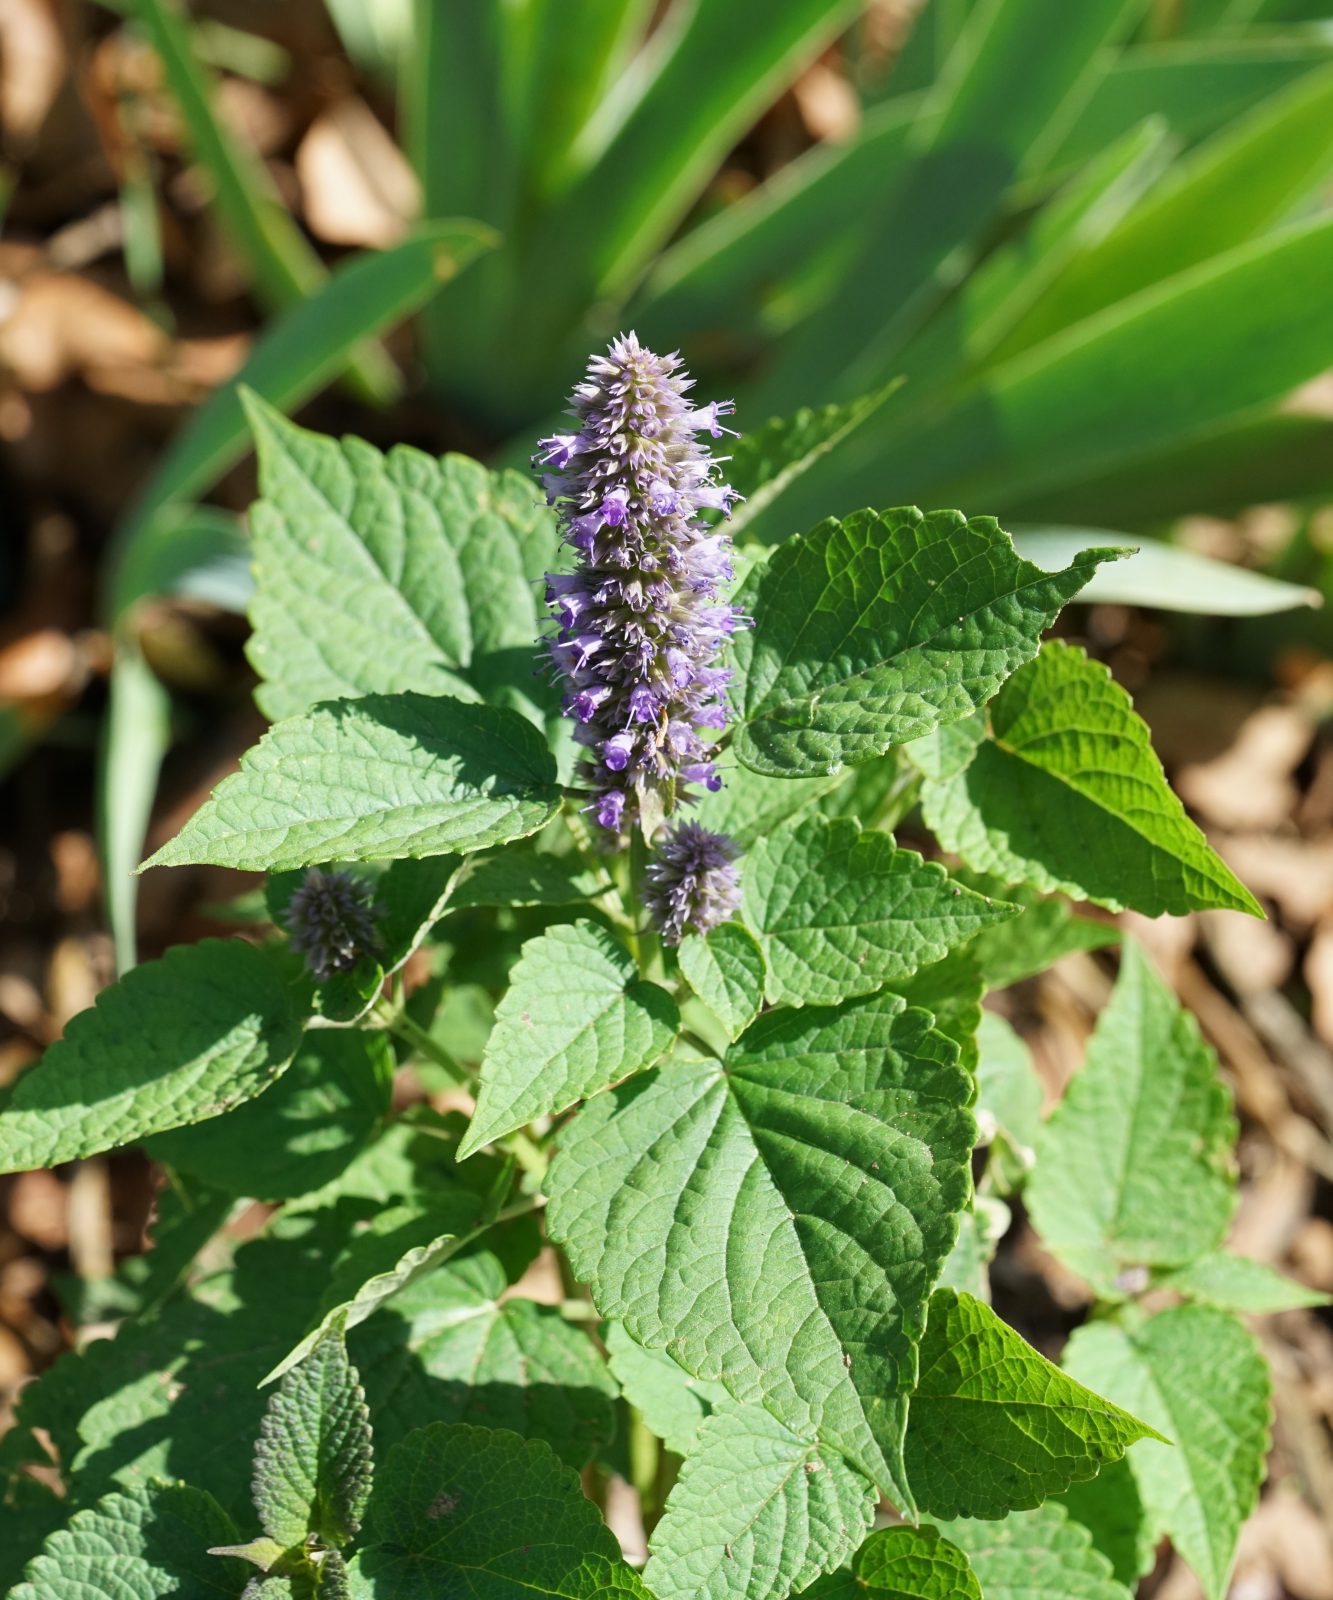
x=331, y=921
x=639, y=622
x=692, y=882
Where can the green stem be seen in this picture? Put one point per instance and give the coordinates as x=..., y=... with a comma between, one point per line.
x=644, y=1451
x=647, y=945
x=398, y=1022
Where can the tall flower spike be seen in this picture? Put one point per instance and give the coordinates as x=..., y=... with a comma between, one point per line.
x=639, y=626
x=331, y=921
x=692, y=883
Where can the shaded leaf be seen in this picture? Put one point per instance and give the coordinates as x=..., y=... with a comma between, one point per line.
x=1198, y=1376
x=1135, y=1167
x=175, y=1041
x=138, y=1546
x=299, y=1133
x=460, y=1507
x=455, y=1347
x=1036, y=1555
x=670, y=1400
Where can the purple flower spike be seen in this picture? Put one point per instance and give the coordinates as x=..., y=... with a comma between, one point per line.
x=692, y=883
x=331, y=921
x=639, y=625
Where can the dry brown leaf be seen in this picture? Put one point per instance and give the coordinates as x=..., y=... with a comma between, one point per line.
x=33, y=65
x=1251, y=955
x=39, y=1209
x=1250, y=784
x=1297, y=874
x=356, y=184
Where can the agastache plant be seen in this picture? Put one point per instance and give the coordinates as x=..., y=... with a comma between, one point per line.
x=765, y=1157
x=640, y=624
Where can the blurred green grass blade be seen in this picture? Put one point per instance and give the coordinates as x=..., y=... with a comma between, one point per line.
x=1015, y=279
x=494, y=94
x=752, y=270
x=301, y=351
x=642, y=160
x=1254, y=461
x=1226, y=191
x=283, y=265
x=1197, y=85
x=1019, y=73
x=577, y=51
x=135, y=738
x=376, y=34
x=196, y=553
x=1175, y=364
x=712, y=74
x=1163, y=577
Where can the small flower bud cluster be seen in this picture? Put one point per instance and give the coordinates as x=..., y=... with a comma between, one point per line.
x=639, y=625
x=692, y=882
x=331, y=921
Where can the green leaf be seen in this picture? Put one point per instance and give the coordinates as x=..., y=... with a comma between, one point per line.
x=766, y=462
x=671, y=1402
x=1110, y=1508
x=458, y=1509
x=1134, y=1168
x=951, y=991
x=525, y=878
x=576, y=1018
x=748, y=806
x=1198, y=1376
x=456, y=1347
x=776, y=1221
x=376, y=574
x=174, y=1042
x=1068, y=794
x=903, y=1564
x=725, y=968
x=178, y=1391
x=1034, y=1554
x=399, y=1246
x=1047, y=930
x=140, y=1546
x=1235, y=1283
x=313, y=1461
x=872, y=631
x=839, y=912
x=757, y=1512
x=1167, y=578
x=301, y=1132
x=374, y=779
x=1009, y=1092
x=993, y=1426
